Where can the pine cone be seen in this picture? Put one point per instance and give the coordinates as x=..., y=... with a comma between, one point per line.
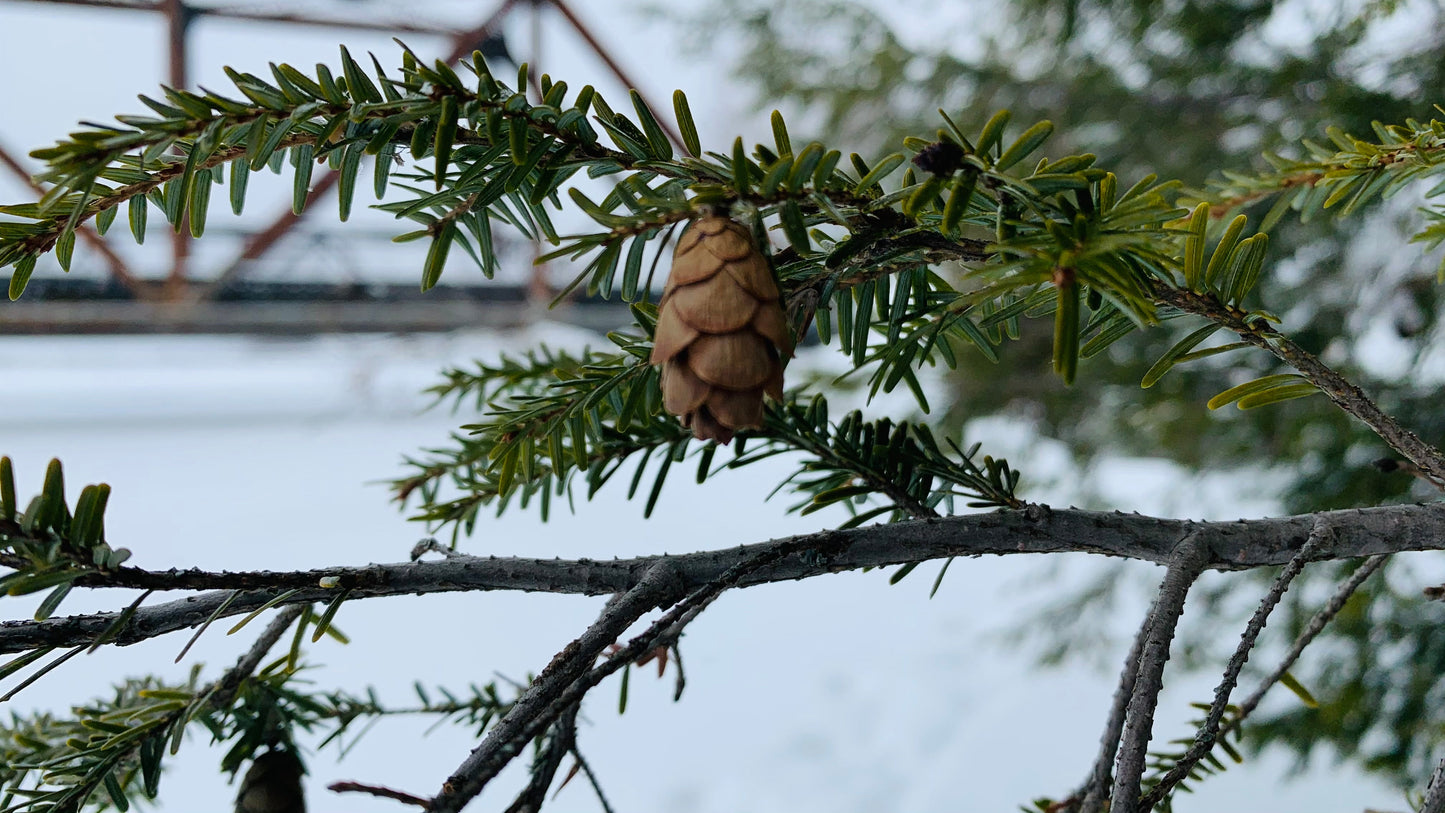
x=722, y=336
x=272, y=785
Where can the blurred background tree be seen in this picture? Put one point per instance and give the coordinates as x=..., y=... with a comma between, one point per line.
x=1182, y=89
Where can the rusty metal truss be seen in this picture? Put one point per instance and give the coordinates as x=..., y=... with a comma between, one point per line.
x=114, y=298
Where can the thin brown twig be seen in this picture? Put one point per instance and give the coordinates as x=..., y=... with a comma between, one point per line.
x=379, y=791
x=1225, y=206
x=1345, y=395
x=45, y=240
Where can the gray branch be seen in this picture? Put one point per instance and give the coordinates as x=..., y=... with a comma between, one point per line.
x=1434, y=801
x=1345, y=394
x=1096, y=788
x=1184, y=568
x=1237, y=545
x=230, y=683
x=1316, y=625
x=659, y=587
x=523, y=724
x=591, y=779
x=1209, y=731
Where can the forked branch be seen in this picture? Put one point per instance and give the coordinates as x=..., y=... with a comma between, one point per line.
x=1236, y=545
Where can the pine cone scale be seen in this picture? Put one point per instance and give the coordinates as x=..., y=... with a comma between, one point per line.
x=730, y=246
x=682, y=392
x=755, y=278
x=734, y=361
x=772, y=324
x=734, y=408
x=700, y=266
x=774, y=386
x=714, y=307
x=672, y=337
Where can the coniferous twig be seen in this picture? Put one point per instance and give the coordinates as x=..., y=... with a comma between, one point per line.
x=1209, y=730
x=1094, y=793
x=1185, y=565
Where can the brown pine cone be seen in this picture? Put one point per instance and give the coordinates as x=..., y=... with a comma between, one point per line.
x=722, y=337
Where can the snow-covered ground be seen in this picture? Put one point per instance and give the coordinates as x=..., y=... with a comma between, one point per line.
x=839, y=693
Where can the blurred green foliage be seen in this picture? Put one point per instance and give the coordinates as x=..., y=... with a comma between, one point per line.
x=1185, y=90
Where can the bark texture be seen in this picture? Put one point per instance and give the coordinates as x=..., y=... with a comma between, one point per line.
x=1233, y=545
